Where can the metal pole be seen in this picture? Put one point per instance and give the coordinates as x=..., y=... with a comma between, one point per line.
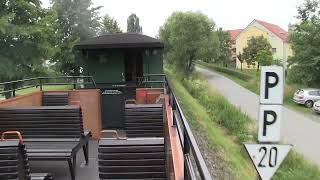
x=74, y=83
x=14, y=89
x=284, y=64
x=284, y=58
x=40, y=84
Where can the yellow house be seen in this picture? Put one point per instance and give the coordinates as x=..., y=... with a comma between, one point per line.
x=277, y=37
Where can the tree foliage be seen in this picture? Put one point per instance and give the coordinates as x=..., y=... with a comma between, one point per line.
x=133, y=24
x=76, y=21
x=224, y=56
x=24, y=34
x=264, y=58
x=255, y=45
x=189, y=36
x=109, y=25
x=305, y=42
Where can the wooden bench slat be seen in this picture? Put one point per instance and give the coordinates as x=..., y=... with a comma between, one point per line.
x=136, y=162
x=156, y=155
x=114, y=169
x=121, y=149
x=133, y=175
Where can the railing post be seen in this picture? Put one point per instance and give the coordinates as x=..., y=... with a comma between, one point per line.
x=186, y=146
x=74, y=83
x=40, y=84
x=173, y=101
x=14, y=89
x=186, y=153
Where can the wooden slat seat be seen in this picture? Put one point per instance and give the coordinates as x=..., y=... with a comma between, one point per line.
x=14, y=165
x=50, y=132
x=133, y=158
x=55, y=99
x=144, y=120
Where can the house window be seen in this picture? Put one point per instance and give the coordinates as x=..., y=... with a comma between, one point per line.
x=274, y=50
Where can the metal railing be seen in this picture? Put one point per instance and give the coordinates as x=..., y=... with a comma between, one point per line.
x=187, y=140
x=13, y=86
x=149, y=79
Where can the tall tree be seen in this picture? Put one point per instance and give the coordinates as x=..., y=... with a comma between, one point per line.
x=110, y=25
x=255, y=44
x=24, y=36
x=305, y=42
x=77, y=21
x=224, y=47
x=133, y=24
x=189, y=37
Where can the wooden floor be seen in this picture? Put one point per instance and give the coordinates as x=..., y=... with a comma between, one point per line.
x=60, y=170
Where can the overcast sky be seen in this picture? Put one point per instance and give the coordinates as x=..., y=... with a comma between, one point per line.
x=228, y=14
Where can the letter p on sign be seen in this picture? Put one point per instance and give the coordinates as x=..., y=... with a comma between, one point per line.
x=272, y=82
x=269, y=123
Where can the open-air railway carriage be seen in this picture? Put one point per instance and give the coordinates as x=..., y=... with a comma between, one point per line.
x=122, y=114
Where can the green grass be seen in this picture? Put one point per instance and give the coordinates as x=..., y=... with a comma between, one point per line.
x=229, y=151
x=253, y=85
x=295, y=167
x=225, y=139
x=44, y=88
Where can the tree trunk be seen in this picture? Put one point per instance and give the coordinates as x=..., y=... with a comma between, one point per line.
x=241, y=67
x=190, y=62
x=258, y=67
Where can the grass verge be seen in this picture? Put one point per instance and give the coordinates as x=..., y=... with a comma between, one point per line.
x=231, y=154
x=210, y=113
x=253, y=84
x=44, y=88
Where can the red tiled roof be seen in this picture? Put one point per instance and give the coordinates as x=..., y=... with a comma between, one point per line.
x=234, y=33
x=278, y=31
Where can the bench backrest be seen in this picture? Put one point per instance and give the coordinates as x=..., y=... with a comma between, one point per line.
x=43, y=121
x=133, y=158
x=55, y=99
x=144, y=120
x=13, y=161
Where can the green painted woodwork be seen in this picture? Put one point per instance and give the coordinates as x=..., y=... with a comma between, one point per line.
x=153, y=64
x=106, y=67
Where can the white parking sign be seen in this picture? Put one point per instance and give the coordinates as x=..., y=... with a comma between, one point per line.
x=271, y=90
x=268, y=154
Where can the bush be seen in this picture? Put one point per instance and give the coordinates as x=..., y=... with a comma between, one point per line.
x=220, y=109
x=229, y=71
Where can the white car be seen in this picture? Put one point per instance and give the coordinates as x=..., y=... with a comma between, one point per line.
x=307, y=96
x=316, y=107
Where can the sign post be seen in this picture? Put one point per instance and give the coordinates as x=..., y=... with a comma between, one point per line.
x=268, y=154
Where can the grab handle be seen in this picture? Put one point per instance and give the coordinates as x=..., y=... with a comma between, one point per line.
x=114, y=132
x=12, y=132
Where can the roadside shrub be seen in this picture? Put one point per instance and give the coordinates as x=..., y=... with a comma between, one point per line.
x=229, y=71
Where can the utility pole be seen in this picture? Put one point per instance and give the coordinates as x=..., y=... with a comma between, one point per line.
x=284, y=57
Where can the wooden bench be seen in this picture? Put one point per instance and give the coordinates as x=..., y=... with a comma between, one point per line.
x=55, y=99
x=14, y=163
x=144, y=120
x=51, y=133
x=133, y=158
